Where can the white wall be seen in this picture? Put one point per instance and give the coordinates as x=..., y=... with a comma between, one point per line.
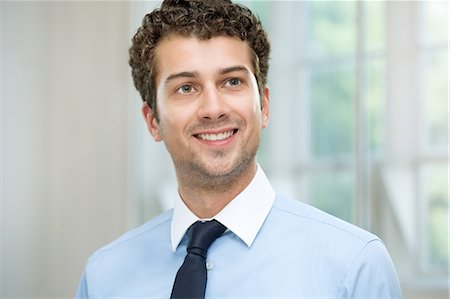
x=64, y=140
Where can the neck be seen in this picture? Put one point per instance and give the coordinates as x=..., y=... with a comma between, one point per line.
x=206, y=198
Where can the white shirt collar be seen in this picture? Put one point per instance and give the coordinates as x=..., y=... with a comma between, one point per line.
x=244, y=215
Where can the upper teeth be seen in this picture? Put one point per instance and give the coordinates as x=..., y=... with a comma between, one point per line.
x=215, y=137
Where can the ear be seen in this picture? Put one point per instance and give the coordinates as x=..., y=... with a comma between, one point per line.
x=152, y=123
x=265, y=111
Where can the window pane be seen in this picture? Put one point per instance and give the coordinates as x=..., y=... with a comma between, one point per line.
x=436, y=95
x=332, y=28
x=375, y=104
x=332, y=112
x=436, y=22
x=436, y=184
x=259, y=7
x=375, y=25
x=332, y=193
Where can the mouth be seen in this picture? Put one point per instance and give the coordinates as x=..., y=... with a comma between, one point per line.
x=216, y=136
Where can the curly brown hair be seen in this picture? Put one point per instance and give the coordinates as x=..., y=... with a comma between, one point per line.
x=202, y=19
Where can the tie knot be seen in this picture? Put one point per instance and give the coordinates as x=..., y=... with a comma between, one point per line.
x=203, y=235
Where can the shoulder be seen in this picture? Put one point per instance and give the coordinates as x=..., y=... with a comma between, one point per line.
x=128, y=254
x=310, y=218
x=153, y=226
x=299, y=225
x=155, y=231
x=337, y=250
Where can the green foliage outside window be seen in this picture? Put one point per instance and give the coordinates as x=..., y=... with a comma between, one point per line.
x=333, y=194
x=332, y=112
x=435, y=59
x=331, y=29
x=437, y=224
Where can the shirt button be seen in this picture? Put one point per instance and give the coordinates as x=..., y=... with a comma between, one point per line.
x=209, y=265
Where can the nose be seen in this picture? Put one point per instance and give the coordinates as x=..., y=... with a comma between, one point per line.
x=213, y=105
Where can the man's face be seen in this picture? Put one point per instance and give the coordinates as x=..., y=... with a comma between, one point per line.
x=210, y=111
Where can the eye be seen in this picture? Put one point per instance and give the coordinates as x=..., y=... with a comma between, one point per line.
x=185, y=89
x=233, y=82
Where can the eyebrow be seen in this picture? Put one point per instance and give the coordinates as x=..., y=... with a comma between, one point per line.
x=231, y=69
x=237, y=68
x=182, y=75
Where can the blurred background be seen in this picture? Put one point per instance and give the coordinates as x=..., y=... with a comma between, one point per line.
x=359, y=128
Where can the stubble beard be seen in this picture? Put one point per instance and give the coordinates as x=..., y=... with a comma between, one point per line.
x=195, y=173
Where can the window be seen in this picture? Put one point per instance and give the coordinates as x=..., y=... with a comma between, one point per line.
x=367, y=110
x=434, y=140
x=340, y=73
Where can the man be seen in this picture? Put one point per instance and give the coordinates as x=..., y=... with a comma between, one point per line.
x=201, y=69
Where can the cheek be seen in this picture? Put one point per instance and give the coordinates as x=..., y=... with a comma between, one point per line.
x=250, y=110
x=174, y=121
x=253, y=118
x=257, y=113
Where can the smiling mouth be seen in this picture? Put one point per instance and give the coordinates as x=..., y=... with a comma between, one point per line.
x=216, y=137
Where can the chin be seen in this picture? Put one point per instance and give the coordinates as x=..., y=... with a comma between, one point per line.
x=217, y=169
x=228, y=170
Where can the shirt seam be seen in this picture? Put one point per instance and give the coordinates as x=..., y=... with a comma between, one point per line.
x=95, y=264
x=328, y=224
x=354, y=262
x=130, y=238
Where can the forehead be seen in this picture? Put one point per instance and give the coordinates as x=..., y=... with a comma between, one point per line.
x=188, y=54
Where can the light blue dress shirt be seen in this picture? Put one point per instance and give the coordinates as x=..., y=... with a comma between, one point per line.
x=275, y=247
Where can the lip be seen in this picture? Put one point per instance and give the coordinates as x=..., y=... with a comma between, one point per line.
x=215, y=131
x=216, y=143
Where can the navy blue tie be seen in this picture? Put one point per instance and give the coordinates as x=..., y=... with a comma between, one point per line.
x=190, y=281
